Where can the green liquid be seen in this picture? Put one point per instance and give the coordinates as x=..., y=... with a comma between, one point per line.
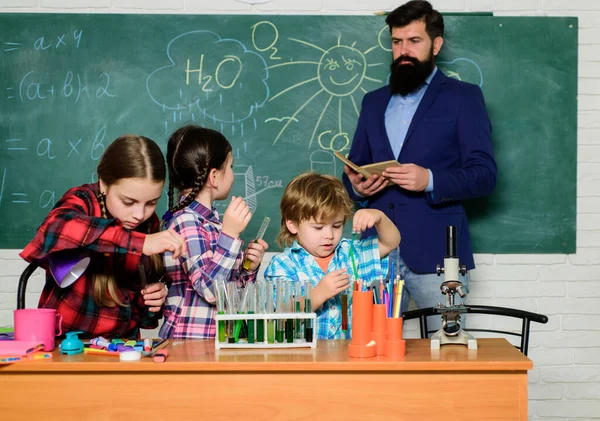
x=298, y=330
x=289, y=330
x=271, y=331
x=237, y=329
x=250, y=329
x=308, y=334
x=221, y=328
x=260, y=331
x=308, y=329
x=280, y=335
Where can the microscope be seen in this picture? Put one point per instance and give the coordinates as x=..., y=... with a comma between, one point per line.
x=451, y=331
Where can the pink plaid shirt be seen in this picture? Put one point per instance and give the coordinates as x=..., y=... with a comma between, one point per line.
x=190, y=308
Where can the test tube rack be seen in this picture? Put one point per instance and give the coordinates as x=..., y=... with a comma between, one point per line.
x=265, y=317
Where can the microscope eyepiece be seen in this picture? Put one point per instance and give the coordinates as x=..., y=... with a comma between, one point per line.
x=451, y=241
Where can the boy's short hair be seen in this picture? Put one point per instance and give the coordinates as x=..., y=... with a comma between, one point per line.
x=312, y=195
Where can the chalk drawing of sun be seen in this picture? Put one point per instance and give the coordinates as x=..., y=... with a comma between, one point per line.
x=340, y=75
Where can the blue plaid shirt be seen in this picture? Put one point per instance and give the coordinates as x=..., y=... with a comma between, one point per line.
x=297, y=264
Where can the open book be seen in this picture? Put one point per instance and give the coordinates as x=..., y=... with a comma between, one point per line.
x=369, y=169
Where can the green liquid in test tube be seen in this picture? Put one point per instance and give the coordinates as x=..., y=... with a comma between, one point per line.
x=220, y=287
x=242, y=308
x=298, y=331
x=280, y=333
x=231, y=300
x=261, y=306
x=270, y=309
x=289, y=306
x=251, y=300
x=308, y=328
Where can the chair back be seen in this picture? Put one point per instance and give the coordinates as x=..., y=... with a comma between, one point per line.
x=526, y=318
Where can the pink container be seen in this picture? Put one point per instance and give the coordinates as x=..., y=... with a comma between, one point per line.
x=38, y=324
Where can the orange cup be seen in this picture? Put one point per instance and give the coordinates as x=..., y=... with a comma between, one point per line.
x=394, y=328
x=395, y=346
x=379, y=327
x=362, y=325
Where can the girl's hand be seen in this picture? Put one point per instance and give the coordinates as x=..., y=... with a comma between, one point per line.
x=236, y=217
x=255, y=253
x=163, y=241
x=366, y=218
x=155, y=296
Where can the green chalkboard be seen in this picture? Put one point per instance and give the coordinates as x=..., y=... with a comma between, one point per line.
x=286, y=91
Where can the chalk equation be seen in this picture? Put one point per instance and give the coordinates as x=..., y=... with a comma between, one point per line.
x=34, y=87
x=49, y=148
x=45, y=200
x=49, y=41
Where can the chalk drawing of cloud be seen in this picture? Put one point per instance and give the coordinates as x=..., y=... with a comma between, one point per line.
x=462, y=69
x=219, y=79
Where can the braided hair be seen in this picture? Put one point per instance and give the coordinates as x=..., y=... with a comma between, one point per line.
x=192, y=152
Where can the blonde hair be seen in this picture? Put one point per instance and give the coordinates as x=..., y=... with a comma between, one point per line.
x=312, y=195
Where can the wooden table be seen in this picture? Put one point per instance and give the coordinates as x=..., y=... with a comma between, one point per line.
x=296, y=384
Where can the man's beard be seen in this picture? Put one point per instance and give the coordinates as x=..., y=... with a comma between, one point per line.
x=406, y=78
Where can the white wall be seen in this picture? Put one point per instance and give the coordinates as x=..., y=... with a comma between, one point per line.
x=565, y=383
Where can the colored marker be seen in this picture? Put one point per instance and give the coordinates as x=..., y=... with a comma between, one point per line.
x=147, y=344
x=40, y=356
x=161, y=356
x=100, y=342
x=99, y=351
x=158, y=347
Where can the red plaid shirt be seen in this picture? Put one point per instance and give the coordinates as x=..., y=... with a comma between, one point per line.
x=76, y=223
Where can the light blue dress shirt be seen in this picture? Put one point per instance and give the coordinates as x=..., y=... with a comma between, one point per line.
x=398, y=116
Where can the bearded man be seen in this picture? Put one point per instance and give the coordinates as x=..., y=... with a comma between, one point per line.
x=438, y=129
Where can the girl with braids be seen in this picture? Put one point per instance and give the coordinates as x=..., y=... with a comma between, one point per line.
x=114, y=223
x=201, y=169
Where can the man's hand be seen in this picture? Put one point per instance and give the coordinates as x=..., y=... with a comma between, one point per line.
x=368, y=187
x=408, y=176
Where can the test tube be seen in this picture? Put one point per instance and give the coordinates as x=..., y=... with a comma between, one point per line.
x=280, y=333
x=270, y=322
x=298, y=331
x=242, y=308
x=232, y=303
x=289, y=306
x=260, y=309
x=344, y=298
x=221, y=308
x=251, y=304
x=308, y=328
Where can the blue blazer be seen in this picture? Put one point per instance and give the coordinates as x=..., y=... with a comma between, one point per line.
x=450, y=135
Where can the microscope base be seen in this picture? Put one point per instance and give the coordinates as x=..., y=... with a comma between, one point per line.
x=439, y=338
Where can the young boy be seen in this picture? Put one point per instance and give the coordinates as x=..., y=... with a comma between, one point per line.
x=314, y=209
